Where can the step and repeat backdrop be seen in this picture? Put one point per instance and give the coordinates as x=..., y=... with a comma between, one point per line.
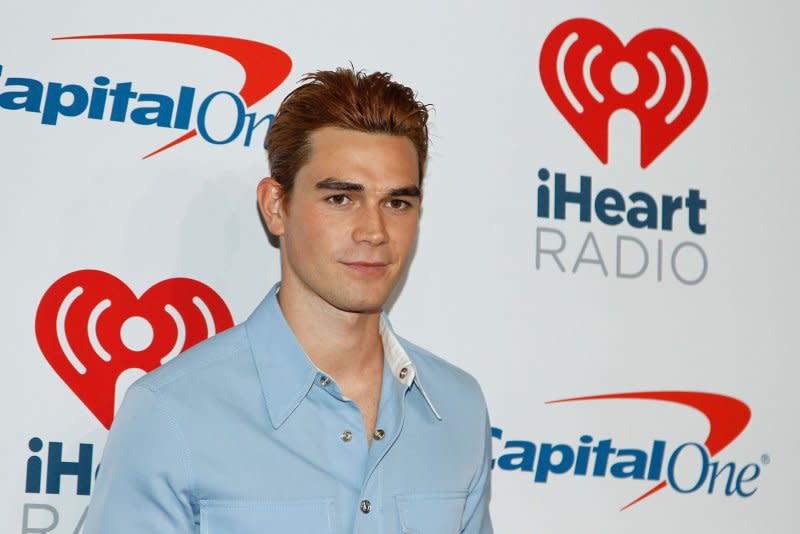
x=608, y=240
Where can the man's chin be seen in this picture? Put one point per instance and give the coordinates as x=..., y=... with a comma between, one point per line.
x=360, y=302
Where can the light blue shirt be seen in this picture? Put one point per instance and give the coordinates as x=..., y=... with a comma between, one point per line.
x=243, y=434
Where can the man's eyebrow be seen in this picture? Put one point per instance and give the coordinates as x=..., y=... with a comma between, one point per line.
x=338, y=185
x=410, y=191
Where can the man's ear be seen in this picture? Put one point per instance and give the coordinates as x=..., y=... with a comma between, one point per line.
x=270, y=202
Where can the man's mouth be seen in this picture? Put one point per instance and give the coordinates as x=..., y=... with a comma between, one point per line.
x=367, y=267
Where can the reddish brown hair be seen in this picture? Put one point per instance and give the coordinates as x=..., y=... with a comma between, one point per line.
x=343, y=98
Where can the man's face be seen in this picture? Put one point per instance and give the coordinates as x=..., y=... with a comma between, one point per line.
x=349, y=223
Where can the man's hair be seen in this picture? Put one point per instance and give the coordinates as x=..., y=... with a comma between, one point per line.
x=343, y=98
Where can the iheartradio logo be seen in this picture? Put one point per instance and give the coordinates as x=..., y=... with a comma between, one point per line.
x=92, y=328
x=589, y=74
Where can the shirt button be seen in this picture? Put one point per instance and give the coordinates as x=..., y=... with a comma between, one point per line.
x=378, y=434
x=403, y=372
x=366, y=506
x=324, y=381
x=346, y=436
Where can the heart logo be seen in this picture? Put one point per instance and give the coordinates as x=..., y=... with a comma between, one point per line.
x=85, y=321
x=583, y=66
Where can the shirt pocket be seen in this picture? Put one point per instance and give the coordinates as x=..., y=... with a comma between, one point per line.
x=296, y=516
x=431, y=513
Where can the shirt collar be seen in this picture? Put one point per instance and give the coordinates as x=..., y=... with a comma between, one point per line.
x=400, y=363
x=287, y=374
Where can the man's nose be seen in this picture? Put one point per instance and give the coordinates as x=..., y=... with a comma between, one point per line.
x=370, y=226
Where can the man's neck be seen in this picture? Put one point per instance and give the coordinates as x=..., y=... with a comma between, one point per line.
x=345, y=345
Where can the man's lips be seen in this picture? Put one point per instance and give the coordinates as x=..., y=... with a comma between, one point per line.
x=366, y=267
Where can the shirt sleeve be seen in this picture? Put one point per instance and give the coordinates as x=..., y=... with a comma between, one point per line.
x=476, y=511
x=145, y=478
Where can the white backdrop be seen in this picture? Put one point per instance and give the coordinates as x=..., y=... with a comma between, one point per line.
x=77, y=195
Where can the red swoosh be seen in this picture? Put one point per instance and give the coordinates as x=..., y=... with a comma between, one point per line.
x=265, y=67
x=727, y=418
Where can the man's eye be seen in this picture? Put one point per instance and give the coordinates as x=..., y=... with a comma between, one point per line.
x=397, y=204
x=338, y=200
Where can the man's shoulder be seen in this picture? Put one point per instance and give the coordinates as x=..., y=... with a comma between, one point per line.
x=200, y=364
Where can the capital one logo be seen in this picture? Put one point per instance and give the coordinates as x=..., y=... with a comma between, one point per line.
x=86, y=321
x=589, y=74
x=686, y=468
x=264, y=68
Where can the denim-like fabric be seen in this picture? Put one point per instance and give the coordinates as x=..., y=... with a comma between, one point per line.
x=243, y=434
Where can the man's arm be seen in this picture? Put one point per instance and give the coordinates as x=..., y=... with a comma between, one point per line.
x=476, y=510
x=145, y=476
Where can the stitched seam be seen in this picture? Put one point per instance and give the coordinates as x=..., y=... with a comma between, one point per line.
x=160, y=382
x=477, y=476
x=235, y=504
x=186, y=460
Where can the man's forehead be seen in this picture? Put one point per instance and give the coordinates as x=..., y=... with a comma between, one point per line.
x=376, y=161
x=330, y=138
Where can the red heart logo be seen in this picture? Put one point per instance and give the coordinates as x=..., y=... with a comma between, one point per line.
x=577, y=66
x=81, y=323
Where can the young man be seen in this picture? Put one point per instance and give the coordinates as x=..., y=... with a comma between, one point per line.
x=312, y=416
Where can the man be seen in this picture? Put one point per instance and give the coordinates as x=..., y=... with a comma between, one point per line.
x=312, y=416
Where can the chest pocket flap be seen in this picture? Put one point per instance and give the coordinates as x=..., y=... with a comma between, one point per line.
x=431, y=513
x=266, y=517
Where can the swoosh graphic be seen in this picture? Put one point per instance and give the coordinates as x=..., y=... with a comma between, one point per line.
x=727, y=418
x=265, y=67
